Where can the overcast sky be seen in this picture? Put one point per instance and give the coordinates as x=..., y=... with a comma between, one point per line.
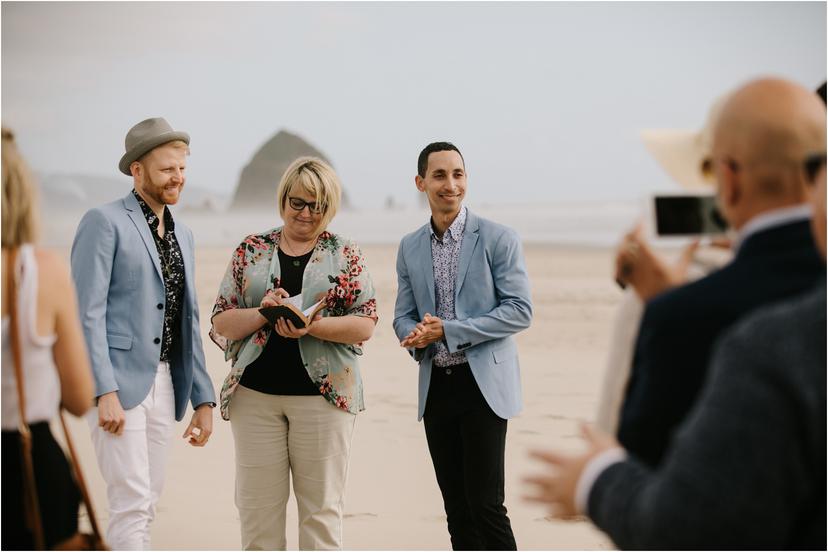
x=544, y=99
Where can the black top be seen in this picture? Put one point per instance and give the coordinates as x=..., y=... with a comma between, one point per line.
x=172, y=268
x=279, y=369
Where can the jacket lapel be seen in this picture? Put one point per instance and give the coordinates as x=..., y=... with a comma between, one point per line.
x=470, y=235
x=185, y=245
x=137, y=216
x=424, y=254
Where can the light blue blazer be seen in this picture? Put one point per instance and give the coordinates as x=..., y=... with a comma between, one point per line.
x=492, y=303
x=120, y=290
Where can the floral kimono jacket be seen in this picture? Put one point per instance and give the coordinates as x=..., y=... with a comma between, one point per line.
x=335, y=271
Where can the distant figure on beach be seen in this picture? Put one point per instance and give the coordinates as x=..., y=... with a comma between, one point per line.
x=134, y=271
x=463, y=292
x=747, y=468
x=761, y=137
x=293, y=393
x=53, y=362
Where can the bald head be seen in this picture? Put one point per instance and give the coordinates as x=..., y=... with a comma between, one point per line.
x=765, y=130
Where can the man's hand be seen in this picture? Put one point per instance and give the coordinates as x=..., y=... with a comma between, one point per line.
x=425, y=333
x=638, y=265
x=556, y=488
x=111, y=415
x=201, y=426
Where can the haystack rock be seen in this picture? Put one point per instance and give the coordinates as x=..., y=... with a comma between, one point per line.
x=260, y=178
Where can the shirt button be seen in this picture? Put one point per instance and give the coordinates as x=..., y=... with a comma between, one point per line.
x=448, y=371
x=160, y=306
x=157, y=340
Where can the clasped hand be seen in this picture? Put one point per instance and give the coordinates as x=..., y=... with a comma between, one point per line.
x=283, y=327
x=424, y=333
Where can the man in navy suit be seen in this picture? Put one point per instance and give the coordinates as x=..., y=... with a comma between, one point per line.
x=463, y=293
x=133, y=268
x=746, y=469
x=762, y=196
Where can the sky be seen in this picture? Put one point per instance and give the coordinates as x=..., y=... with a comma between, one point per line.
x=545, y=100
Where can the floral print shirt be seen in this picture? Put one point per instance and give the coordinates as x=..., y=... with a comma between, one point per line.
x=336, y=272
x=172, y=267
x=445, y=253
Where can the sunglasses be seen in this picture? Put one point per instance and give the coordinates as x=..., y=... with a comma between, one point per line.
x=812, y=165
x=297, y=204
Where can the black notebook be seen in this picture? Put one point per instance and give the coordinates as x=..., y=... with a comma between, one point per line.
x=291, y=312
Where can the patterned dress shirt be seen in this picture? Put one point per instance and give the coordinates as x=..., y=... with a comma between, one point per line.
x=445, y=253
x=172, y=268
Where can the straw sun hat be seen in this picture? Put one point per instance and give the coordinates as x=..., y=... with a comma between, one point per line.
x=681, y=153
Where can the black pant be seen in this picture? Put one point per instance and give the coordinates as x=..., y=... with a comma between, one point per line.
x=57, y=493
x=467, y=443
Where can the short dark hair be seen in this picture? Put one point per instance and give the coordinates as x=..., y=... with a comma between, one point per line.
x=434, y=147
x=821, y=92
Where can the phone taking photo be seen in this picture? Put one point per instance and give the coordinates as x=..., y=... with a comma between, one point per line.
x=688, y=215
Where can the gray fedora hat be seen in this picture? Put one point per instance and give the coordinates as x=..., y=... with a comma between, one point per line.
x=145, y=136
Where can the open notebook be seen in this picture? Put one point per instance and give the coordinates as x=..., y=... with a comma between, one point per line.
x=291, y=310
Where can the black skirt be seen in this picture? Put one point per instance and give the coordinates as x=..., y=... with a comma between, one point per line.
x=56, y=489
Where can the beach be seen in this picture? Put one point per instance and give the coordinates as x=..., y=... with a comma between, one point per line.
x=393, y=501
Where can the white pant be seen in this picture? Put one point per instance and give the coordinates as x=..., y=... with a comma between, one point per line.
x=133, y=464
x=280, y=435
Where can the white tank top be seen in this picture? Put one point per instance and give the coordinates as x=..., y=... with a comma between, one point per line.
x=39, y=370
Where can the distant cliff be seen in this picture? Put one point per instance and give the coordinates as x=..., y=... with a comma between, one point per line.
x=260, y=178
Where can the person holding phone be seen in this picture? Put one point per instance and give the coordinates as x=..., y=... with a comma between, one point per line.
x=763, y=132
x=292, y=394
x=643, y=273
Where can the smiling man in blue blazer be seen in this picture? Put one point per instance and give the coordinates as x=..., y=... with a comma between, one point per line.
x=463, y=292
x=133, y=268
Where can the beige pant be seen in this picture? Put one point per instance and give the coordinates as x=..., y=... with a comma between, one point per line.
x=279, y=434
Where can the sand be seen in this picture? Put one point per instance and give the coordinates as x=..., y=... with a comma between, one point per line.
x=393, y=501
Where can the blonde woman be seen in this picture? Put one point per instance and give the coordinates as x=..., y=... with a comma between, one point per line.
x=292, y=394
x=54, y=363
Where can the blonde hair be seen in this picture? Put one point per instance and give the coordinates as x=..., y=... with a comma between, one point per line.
x=19, y=210
x=316, y=178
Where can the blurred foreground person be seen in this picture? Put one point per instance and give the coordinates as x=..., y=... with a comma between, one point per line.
x=747, y=468
x=764, y=131
x=643, y=273
x=134, y=269
x=54, y=364
x=293, y=393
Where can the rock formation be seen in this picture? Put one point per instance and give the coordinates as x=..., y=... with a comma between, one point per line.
x=260, y=178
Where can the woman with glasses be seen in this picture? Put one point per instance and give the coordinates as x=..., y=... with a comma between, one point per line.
x=292, y=394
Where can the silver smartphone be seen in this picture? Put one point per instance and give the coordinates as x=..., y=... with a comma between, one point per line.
x=687, y=215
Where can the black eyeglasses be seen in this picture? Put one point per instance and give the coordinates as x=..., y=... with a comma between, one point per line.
x=297, y=204
x=812, y=165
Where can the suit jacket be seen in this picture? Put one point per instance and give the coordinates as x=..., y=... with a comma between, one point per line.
x=747, y=469
x=492, y=303
x=679, y=328
x=119, y=283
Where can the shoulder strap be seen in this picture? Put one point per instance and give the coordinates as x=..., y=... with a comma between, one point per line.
x=90, y=510
x=31, y=506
